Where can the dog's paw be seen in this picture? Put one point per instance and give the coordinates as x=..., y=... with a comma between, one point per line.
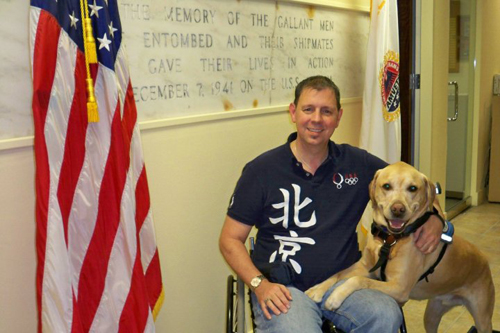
x=316, y=293
x=334, y=301
x=338, y=296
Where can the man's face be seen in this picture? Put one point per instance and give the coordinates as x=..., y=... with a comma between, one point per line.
x=316, y=116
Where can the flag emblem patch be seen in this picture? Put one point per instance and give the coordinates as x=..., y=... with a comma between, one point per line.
x=389, y=86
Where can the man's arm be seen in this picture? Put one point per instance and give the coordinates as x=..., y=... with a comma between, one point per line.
x=427, y=237
x=273, y=296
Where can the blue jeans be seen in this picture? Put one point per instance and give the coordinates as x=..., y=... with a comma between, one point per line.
x=365, y=310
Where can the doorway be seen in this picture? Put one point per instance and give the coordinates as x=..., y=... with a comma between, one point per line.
x=461, y=68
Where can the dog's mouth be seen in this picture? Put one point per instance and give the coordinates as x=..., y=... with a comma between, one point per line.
x=396, y=225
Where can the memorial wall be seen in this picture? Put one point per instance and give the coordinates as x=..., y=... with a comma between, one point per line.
x=196, y=57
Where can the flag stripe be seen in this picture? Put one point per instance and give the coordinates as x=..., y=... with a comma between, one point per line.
x=57, y=274
x=44, y=59
x=137, y=300
x=74, y=153
x=94, y=268
x=119, y=272
x=137, y=303
x=86, y=201
x=153, y=279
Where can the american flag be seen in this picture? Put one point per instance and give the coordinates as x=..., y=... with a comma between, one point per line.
x=98, y=265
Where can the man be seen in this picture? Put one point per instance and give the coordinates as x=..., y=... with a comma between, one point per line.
x=306, y=198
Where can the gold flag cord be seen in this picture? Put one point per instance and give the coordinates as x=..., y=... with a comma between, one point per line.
x=90, y=58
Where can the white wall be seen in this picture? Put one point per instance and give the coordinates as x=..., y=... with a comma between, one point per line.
x=17, y=241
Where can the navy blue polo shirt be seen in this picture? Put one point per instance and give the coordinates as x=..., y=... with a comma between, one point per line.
x=306, y=220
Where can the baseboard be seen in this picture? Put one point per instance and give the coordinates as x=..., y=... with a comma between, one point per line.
x=474, y=330
x=479, y=197
x=458, y=208
x=455, y=195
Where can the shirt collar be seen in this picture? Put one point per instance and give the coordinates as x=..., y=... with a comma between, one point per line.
x=333, y=150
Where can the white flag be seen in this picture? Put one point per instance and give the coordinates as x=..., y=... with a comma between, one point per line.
x=381, y=121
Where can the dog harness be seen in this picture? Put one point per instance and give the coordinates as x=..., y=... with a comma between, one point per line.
x=391, y=239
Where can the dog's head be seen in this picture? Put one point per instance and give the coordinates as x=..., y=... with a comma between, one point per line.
x=400, y=194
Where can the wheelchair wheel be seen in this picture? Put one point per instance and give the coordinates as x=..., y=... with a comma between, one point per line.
x=235, y=305
x=230, y=304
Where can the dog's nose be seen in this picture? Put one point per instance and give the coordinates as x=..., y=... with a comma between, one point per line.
x=398, y=209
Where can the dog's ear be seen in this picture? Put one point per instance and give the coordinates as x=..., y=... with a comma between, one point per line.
x=373, y=186
x=430, y=192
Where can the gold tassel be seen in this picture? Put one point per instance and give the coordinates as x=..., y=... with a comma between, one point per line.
x=90, y=45
x=90, y=57
x=92, y=112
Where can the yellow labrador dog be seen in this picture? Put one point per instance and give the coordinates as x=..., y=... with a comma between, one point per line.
x=400, y=195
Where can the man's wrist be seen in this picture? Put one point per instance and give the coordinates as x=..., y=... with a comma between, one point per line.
x=256, y=282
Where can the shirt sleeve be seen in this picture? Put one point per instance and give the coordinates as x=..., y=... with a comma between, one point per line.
x=374, y=163
x=246, y=204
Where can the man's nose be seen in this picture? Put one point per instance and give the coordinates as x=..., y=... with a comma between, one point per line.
x=316, y=115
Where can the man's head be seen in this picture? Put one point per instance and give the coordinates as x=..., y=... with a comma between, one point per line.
x=316, y=112
x=317, y=83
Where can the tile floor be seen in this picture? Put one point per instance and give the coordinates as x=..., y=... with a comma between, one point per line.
x=481, y=226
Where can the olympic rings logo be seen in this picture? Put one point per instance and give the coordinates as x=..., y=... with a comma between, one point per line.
x=350, y=179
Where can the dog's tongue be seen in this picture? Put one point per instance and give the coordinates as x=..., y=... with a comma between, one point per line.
x=396, y=224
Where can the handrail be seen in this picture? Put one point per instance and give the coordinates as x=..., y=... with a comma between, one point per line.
x=455, y=117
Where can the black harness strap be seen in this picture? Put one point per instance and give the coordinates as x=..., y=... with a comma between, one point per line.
x=383, y=255
x=391, y=239
x=431, y=269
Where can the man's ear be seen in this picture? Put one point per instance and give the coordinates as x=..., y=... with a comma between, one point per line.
x=339, y=116
x=292, y=109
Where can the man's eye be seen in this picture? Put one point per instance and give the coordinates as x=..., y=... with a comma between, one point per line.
x=386, y=187
x=412, y=188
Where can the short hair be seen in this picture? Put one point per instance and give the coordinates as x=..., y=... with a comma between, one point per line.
x=318, y=82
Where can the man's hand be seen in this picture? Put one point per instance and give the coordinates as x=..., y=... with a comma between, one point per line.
x=427, y=237
x=273, y=296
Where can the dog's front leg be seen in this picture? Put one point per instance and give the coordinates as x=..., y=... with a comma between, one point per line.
x=317, y=292
x=395, y=289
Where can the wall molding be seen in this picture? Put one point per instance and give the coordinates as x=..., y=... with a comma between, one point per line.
x=28, y=141
x=356, y=5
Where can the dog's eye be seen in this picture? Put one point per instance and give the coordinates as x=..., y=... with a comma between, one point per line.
x=412, y=188
x=386, y=186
